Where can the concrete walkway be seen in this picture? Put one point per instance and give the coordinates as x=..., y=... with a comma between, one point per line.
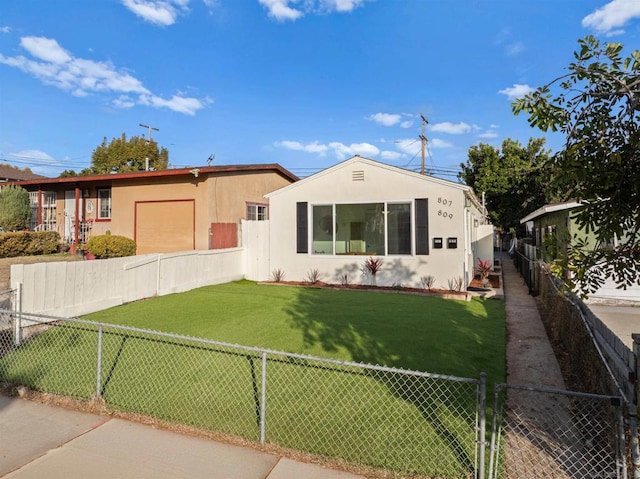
x=38, y=441
x=530, y=358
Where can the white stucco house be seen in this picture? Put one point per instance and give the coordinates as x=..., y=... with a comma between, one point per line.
x=419, y=225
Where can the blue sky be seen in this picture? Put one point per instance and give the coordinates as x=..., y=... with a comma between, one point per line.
x=304, y=83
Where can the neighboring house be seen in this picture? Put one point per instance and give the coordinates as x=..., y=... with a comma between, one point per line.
x=163, y=211
x=420, y=225
x=552, y=229
x=10, y=173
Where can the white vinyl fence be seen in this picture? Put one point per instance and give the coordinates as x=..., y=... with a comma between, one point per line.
x=255, y=239
x=81, y=287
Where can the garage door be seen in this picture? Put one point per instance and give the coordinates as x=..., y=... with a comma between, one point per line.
x=165, y=226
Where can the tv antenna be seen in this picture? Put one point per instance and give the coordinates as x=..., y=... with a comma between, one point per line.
x=211, y=158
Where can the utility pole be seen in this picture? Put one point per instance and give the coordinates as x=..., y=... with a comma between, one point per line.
x=150, y=128
x=423, y=141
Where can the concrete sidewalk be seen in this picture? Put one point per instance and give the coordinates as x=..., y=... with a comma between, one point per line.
x=38, y=440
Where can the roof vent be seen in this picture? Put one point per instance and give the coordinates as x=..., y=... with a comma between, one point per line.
x=357, y=175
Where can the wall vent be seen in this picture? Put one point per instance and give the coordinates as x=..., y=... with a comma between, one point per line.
x=357, y=175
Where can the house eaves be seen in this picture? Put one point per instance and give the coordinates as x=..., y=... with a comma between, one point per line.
x=550, y=209
x=171, y=173
x=10, y=174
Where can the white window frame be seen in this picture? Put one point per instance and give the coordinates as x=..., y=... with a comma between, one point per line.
x=253, y=212
x=99, y=215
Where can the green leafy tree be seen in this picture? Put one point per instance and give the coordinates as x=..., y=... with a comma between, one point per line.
x=596, y=105
x=15, y=209
x=125, y=155
x=512, y=180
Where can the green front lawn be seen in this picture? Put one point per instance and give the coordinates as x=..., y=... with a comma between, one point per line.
x=404, y=423
x=407, y=331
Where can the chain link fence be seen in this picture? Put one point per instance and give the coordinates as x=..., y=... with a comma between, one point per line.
x=543, y=433
x=409, y=422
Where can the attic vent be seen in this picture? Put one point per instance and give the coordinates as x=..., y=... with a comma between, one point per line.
x=357, y=175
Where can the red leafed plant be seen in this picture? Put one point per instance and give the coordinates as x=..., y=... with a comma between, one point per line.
x=483, y=269
x=372, y=267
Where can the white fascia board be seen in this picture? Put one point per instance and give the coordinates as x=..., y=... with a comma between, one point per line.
x=550, y=209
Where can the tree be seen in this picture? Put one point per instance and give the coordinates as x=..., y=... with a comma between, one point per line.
x=512, y=180
x=122, y=155
x=597, y=106
x=15, y=208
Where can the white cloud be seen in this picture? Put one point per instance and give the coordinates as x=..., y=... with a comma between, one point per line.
x=280, y=10
x=410, y=146
x=488, y=135
x=158, y=12
x=53, y=65
x=45, y=49
x=313, y=147
x=514, y=49
x=391, y=155
x=341, y=5
x=612, y=16
x=283, y=10
x=406, y=124
x=437, y=143
x=385, y=119
x=5, y=29
x=516, y=91
x=341, y=150
x=451, y=128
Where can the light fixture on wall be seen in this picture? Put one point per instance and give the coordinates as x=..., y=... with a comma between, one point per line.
x=467, y=201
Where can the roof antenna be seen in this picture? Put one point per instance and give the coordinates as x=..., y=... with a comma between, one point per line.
x=211, y=158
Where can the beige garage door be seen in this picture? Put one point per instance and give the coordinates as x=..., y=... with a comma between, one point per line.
x=165, y=226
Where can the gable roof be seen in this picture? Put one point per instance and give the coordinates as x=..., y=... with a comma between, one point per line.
x=172, y=173
x=11, y=173
x=376, y=164
x=549, y=209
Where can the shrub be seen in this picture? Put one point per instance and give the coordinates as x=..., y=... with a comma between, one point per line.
x=111, y=246
x=15, y=209
x=313, y=276
x=427, y=282
x=28, y=243
x=456, y=284
x=278, y=275
x=344, y=279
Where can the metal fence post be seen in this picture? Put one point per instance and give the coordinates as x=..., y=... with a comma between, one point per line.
x=483, y=424
x=99, y=365
x=17, y=336
x=263, y=399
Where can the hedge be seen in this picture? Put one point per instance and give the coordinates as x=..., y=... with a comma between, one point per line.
x=28, y=243
x=111, y=246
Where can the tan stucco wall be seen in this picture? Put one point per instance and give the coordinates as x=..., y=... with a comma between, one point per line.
x=230, y=193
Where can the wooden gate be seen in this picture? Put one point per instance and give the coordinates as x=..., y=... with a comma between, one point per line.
x=223, y=235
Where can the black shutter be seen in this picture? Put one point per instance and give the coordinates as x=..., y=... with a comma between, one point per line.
x=422, y=226
x=302, y=228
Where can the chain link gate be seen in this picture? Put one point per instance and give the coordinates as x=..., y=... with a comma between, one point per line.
x=544, y=433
